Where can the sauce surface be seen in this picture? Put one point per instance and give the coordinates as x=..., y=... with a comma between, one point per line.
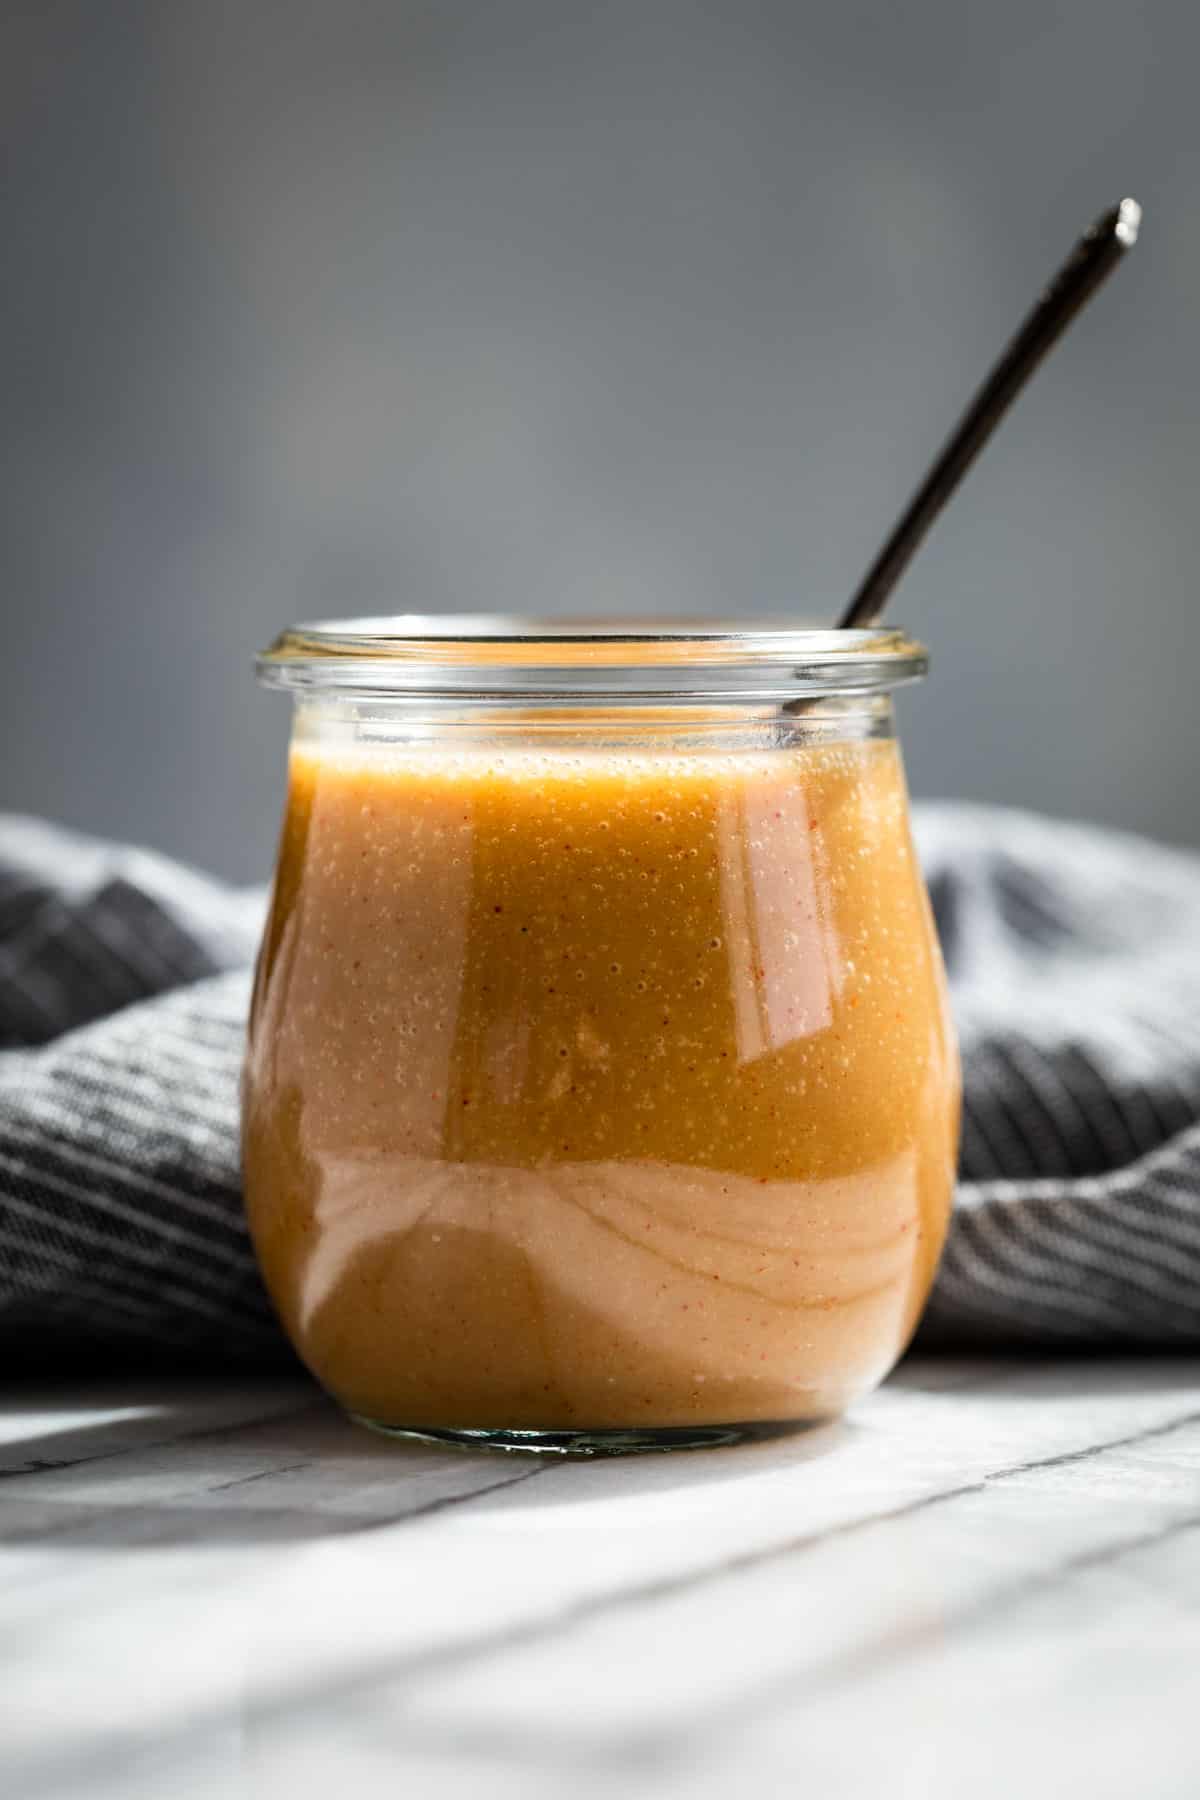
x=598, y=1088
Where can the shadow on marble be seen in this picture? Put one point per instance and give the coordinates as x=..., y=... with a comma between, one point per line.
x=1012, y=1375
x=310, y=1474
x=134, y=1417
x=617, y=1480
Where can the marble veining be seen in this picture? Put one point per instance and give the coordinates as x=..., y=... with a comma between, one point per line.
x=985, y=1580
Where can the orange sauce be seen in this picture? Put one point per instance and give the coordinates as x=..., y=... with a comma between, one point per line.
x=598, y=1088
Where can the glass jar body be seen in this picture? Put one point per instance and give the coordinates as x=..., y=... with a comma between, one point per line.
x=600, y=1089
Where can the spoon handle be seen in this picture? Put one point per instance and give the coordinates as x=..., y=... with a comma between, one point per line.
x=1095, y=255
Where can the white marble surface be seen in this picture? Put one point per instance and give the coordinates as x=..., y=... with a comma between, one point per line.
x=986, y=1582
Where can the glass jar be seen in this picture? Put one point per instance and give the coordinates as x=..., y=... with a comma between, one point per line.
x=600, y=1089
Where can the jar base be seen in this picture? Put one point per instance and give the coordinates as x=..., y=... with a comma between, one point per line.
x=605, y=1441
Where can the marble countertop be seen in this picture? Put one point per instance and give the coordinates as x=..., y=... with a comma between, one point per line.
x=985, y=1582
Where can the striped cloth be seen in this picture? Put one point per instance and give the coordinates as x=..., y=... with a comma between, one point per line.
x=1074, y=959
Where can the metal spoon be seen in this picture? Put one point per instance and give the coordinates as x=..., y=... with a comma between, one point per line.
x=1095, y=255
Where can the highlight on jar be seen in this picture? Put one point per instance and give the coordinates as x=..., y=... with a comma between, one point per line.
x=600, y=1091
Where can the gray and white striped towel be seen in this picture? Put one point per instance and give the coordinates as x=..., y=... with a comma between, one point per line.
x=1074, y=959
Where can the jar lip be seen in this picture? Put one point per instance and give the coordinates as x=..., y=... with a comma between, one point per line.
x=412, y=654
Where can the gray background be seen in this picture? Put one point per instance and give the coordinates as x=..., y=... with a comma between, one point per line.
x=574, y=307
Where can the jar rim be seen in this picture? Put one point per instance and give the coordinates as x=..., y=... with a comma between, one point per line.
x=435, y=656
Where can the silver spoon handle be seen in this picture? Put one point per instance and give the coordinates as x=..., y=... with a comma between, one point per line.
x=1095, y=255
